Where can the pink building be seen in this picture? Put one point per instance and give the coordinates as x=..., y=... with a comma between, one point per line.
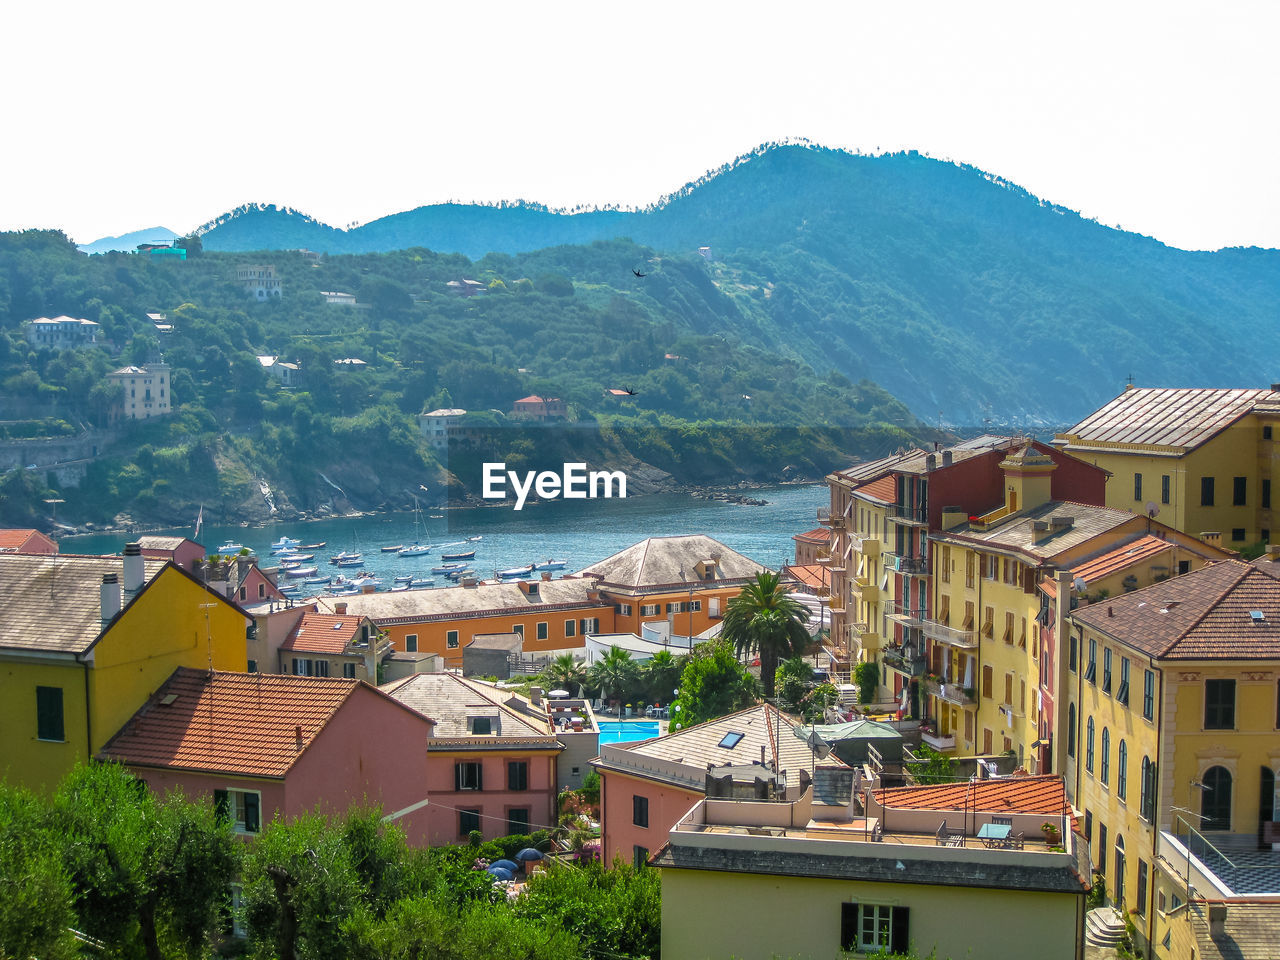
x=541, y=408
x=647, y=787
x=26, y=541
x=266, y=746
x=491, y=760
x=183, y=552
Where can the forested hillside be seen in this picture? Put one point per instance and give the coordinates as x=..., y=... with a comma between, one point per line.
x=959, y=293
x=710, y=401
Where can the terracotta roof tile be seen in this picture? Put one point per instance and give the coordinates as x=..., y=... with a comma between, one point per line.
x=322, y=633
x=1120, y=558
x=668, y=561
x=815, y=575
x=821, y=535
x=12, y=539
x=243, y=723
x=1044, y=795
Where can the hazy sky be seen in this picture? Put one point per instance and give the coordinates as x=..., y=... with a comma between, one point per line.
x=1159, y=117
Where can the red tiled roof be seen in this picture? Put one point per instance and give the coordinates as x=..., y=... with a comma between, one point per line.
x=1043, y=795
x=243, y=723
x=885, y=489
x=1121, y=557
x=13, y=539
x=821, y=535
x=322, y=633
x=815, y=575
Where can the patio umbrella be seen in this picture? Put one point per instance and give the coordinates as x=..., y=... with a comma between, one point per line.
x=505, y=865
x=501, y=873
x=558, y=693
x=528, y=853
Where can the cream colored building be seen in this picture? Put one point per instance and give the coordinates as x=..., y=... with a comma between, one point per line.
x=146, y=391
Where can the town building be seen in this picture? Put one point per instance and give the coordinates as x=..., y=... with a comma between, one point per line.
x=648, y=786
x=183, y=551
x=491, y=758
x=466, y=288
x=1173, y=751
x=145, y=391
x=1201, y=460
x=26, y=541
x=813, y=546
x=259, y=281
x=574, y=722
x=61, y=333
x=540, y=408
x=438, y=425
x=239, y=578
x=952, y=871
x=86, y=640
x=283, y=372
x=333, y=645
x=339, y=297
x=266, y=746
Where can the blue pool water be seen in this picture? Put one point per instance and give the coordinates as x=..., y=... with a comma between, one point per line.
x=626, y=731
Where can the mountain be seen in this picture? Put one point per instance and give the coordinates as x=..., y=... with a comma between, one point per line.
x=129, y=241
x=960, y=293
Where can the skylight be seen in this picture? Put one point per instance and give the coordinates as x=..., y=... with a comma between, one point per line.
x=1257, y=616
x=731, y=740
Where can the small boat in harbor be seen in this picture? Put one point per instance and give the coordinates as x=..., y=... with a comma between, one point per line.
x=296, y=557
x=463, y=555
x=415, y=550
x=447, y=568
x=515, y=573
x=297, y=573
x=404, y=578
x=435, y=516
x=456, y=575
x=345, y=559
x=550, y=564
x=473, y=539
x=314, y=546
x=231, y=547
x=285, y=545
x=417, y=583
x=321, y=579
x=396, y=549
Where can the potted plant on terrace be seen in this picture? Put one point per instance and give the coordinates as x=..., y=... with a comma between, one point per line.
x=1051, y=833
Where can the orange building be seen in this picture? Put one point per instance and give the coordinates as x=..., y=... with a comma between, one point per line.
x=26, y=541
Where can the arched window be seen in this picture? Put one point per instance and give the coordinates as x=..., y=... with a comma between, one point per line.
x=1215, y=799
x=1071, y=730
x=1147, y=791
x=1122, y=770
x=1106, y=755
x=1088, y=746
x=1266, y=798
x=1117, y=892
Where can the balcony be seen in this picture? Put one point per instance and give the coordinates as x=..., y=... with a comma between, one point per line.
x=904, y=659
x=906, y=616
x=941, y=744
x=864, y=589
x=868, y=546
x=912, y=565
x=964, y=639
x=836, y=603
x=951, y=693
x=825, y=518
x=910, y=513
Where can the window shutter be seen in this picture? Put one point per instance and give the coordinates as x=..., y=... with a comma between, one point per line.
x=252, y=812
x=457, y=776
x=221, y=805
x=899, y=942
x=479, y=776
x=848, y=926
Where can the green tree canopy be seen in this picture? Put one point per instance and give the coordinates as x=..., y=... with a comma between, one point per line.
x=763, y=619
x=713, y=683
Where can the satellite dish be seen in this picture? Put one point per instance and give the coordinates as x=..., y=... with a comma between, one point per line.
x=1152, y=509
x=1079, y=585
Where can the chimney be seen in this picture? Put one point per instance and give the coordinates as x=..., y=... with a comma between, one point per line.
x=952, y=517
x=1218, y=921
x=340, y=608
x=535, y=696
x=546, y=575
x=946, y=458
x=930, y=463
x=133, y=570
x=1039, y=531
x=1061, y=523
x=1110, y=612
x=297, y=736
x=110, y=596
x=1211, y=537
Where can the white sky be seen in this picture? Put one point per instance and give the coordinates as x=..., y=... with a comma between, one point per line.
x=1159, y=117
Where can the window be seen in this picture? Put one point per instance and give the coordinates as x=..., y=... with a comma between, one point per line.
x=49, y=720
x=1238, y=488
x=1122, y=771
x=1137, y=486
x=571, y=627
x=320, y=668
x=481, y=726
x=1105, y=773
x=1071, y=730
x=649, y=609
x=1164, y=489
x=1008, y=689
x=468, y=822
x=639, y=810
x=451, y=640
x=1091, y=669
x=1072, y=651
x=349, y=671
x=1206, y=491
x=624, y=609
x=517, y=821
x=986, y=681
x=1147, y=791
x=253, y=666
x=1106, y=670
x=542, y=631
x=411, y=643
x=1219, y=704
x=1215, y=799
x=1122, y=695
x=1088, y=746
x=1266, y=433
x=518, y=775
x=1266, y=493
x=468, y=774
x=1008, y=627
x=1237, y=534
x=243, y=808
x=1102, y=848
x=1148, y=694
x=988, y=621
x=1142, y=888
x=1088, y=824
x=874, y=928
x=968, y=569
x=244, y=593
x=639, y=856
x=301, y=667
x=518, y=630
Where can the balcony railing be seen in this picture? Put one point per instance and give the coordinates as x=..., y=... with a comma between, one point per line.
x=910, y=513
x=912, y=565
x=836, y=603
x=868, y=546
x=939, y=743
x=907, y=616
x=904, y=659
x=864, y=589
x=965, y=639
x=835, y=522
x=950, y=692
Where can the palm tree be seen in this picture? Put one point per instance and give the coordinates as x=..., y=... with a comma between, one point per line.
x=661, y=675
x=615, y=673
x=763, y=619
x=564, y=672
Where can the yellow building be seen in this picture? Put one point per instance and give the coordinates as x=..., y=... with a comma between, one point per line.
x=86, y=640
x=1173, y=750
x=1199, y=459
x=954, y=871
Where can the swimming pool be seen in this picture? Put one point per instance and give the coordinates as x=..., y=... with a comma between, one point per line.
x=627, y=731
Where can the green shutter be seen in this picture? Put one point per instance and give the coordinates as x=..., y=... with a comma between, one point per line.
x=49, y=725
x=252, y=813
x=848, y=926
x=222, y=805
x=899, y=941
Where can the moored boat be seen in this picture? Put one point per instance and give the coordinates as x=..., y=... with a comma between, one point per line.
x=550, y=564
x=415, y=550
x=419, y=582
x=296, y=557
x=515, y=573
x=285, y=545
x=231, y=547
x=447, y=568
x=462, y=555
x=298, y=573
x=314, y=546
x=396, y=549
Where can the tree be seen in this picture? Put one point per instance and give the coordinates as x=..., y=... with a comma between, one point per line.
x=763, y=619
x=36, y=913
x=661, y=675
x=564, y=672
x=793, y=678
x=713, y=683
x=615, y=674
x=145, y=869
